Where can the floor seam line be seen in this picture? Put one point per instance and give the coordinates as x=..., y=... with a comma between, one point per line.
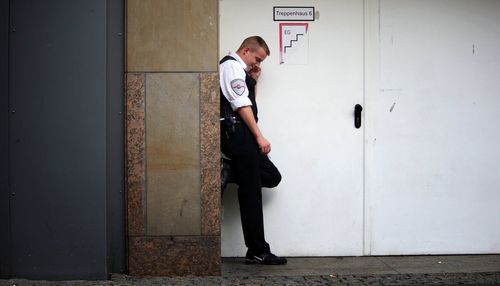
x=394, y=269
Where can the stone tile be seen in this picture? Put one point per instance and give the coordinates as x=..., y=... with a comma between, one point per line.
x=173, y=206
x=173, y=154
x=443, y=263
x=136, y=150
x=175, y=256
x=233, y=267
x=174, y=35
x=210, y=153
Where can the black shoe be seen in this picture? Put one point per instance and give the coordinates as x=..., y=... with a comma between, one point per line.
x=266, y=258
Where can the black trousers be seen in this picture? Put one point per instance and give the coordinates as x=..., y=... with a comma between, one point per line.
x=252, y=171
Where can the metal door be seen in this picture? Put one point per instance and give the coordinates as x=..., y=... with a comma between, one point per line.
x=65, y=140
x=432, y=137
x=420, y=175
x=306, y=110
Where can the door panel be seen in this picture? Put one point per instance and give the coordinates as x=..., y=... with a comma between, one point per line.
x=306, y=111
x=65, y=139
x=430, y=74
x=433, y=176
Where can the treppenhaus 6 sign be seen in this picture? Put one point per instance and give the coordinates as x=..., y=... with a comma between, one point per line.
x=291, y=13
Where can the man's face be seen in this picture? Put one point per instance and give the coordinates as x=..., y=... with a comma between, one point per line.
x=253, y=58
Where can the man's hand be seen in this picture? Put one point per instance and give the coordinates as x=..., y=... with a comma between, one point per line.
x=264, y=145
x=255, y=72
x=246, y=114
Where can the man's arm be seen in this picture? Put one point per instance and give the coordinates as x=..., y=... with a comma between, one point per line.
x=246, y=114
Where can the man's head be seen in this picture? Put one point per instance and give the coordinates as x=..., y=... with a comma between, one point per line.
x=253, y=51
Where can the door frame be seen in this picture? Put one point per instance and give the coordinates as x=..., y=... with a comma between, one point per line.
x=371, y=85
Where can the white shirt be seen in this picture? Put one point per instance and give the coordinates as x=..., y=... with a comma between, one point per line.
x=232, y=82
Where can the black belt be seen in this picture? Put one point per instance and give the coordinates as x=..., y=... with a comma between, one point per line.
x=233, y=119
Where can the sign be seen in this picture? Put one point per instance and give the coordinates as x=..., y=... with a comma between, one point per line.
x=294, y=43
x=290, y=13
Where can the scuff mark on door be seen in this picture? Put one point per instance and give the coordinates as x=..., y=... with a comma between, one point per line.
x=392, y=107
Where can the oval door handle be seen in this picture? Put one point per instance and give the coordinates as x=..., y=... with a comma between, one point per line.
x=357, y=115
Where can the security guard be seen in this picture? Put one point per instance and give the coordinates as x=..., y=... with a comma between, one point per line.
x=244, y=144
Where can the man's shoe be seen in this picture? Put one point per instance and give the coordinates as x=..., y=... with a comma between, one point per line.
x=266, y=258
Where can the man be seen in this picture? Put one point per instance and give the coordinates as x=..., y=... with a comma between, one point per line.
x=243, y=142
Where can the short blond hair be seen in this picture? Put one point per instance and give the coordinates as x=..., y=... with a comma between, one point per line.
x=253, y=43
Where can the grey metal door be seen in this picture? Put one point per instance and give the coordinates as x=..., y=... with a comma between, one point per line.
x=65, y=139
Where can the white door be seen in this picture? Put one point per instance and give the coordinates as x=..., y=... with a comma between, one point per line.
x=433, y=175
x=421, y=175
x=306, y=111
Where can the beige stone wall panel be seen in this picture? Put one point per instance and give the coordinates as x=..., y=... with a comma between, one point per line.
x=172, y=35
x=173, y=154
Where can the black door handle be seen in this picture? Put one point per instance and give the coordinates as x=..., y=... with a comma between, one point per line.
x=357, y=115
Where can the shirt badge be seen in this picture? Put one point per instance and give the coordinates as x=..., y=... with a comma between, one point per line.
x=238, y=86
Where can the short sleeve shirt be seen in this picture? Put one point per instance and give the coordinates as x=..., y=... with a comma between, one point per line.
x=232, y=82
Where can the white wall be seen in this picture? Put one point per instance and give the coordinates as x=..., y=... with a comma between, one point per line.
x=420, y=176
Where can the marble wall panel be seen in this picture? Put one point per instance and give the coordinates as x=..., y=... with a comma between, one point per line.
x=173, y=175
x=173, y=35
x=210, y=153
x=175, y=256
x=173, y=154
x=136, y=154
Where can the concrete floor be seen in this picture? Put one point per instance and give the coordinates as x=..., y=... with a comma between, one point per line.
x=234, y=267
x=386, y=270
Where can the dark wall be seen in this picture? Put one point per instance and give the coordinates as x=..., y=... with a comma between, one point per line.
x=116, y=136
x=4, y=130
x=66, y=138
